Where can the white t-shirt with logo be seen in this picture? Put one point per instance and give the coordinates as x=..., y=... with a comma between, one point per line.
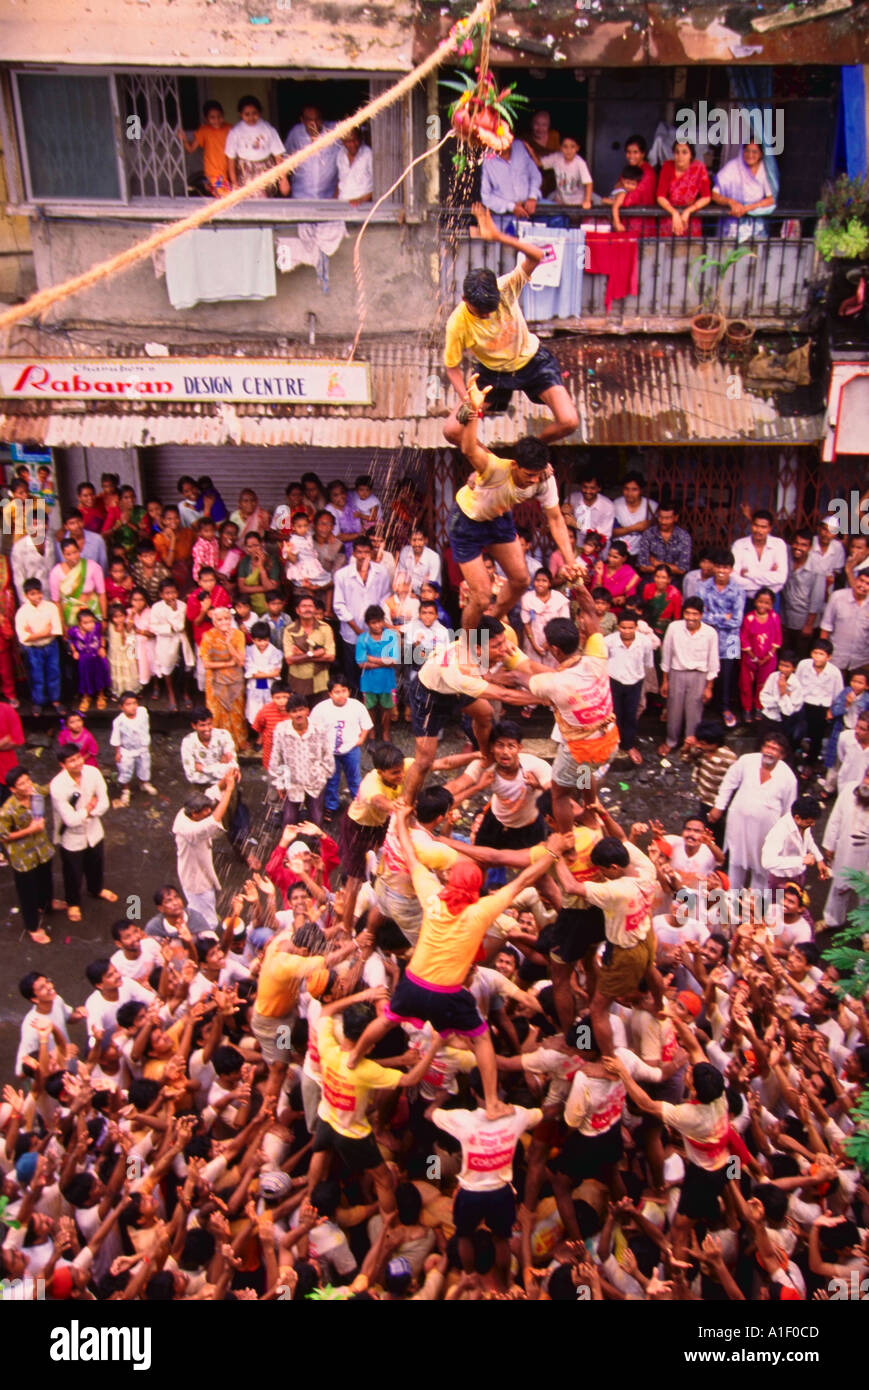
x=344, y=723
x=488, y=1146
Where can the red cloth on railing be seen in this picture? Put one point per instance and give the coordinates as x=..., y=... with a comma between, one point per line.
x=617, y=257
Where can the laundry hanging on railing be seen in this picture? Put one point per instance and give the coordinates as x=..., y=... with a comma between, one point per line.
x=555, y=292
x=314, y=243
x=212, y=265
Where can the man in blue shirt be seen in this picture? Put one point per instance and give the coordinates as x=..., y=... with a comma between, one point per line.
x=511, y=183
x=724, y=609
x=90, y=543
x=318, y=176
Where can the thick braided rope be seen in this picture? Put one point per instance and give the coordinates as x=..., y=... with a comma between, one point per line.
x=39, y=303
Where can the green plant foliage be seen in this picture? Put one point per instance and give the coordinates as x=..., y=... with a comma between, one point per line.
x=843, y=199
x=850, y=956
x=850, y=241
x=710, y=301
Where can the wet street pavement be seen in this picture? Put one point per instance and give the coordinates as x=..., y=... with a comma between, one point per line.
x=140, y=850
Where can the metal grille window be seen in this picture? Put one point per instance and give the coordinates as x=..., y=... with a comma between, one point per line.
x=151, y=114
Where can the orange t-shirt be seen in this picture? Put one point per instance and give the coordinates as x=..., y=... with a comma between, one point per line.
x=212, y=142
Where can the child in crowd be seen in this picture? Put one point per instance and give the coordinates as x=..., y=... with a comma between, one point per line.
x=712, y=760
x=119, y=583
x=245, y=617
x=431, y=592
x=121, y=647
x=573, y=185
x=87, y=646
x=37, y=627
x=349, y=723
x=72, y=730
x=278, y=619
x=846, y=707
x=210, y=138
x=169, y=626
x=303, y=568
x=629, y=652
x=364, y=505
x=820, y=683
x=628, y=182
x=206, y=550
x=262, y=666
x=540, y=603
x=606, y=616
x=268, y=716
x=131, y=740
x=760, y=638
x=781, y=699
x=694, y=578
x=139, y=614
x=377, y=655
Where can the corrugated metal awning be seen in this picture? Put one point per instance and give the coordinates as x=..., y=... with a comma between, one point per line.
x=627, y=392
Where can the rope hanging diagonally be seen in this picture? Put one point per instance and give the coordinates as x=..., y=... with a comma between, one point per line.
x=43, y=300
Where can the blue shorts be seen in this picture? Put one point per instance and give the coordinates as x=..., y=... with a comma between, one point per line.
x=537, y=376
x=469, y=539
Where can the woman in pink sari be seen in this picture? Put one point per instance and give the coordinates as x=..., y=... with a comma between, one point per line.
x=614, y=574
x=683, y=189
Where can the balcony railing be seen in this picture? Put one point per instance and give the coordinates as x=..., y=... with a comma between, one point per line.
x=771, y=288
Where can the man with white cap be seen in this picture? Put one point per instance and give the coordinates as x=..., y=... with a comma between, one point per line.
x=829, y=550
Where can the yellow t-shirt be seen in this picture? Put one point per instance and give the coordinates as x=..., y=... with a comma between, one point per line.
x=345, y=1093
x=361, y=811
x=495, y=492
x=393, y=871
x=578, y=861
x=280, y=980
x=448, y=945
x=502, y=341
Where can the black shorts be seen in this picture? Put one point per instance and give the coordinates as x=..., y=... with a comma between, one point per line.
x=355, y=841
x=701, y=1192
x=448, y=1011
x=575, y=931
x=537, y=376
x=431, y=713
x=583, y=1157
x=493, y=835
x=496, y=1209
x=358, y=1155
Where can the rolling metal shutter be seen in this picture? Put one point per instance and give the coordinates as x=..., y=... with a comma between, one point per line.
x=268, y=471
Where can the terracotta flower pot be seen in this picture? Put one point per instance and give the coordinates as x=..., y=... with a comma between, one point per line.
x=706, y=331
x=738, y=335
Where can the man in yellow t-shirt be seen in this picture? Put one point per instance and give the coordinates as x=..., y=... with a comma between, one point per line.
x=343, y=1127
x=490, y=325
x=455, y=920
x=482, y=516
x=287, y=962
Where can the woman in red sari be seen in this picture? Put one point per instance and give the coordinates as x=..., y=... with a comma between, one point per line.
x=683, y=189
x=645, y=193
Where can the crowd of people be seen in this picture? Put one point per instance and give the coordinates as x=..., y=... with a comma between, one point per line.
x=548, y=167
x=553, y=1057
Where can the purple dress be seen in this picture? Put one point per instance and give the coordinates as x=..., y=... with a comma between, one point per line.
x=93, y=669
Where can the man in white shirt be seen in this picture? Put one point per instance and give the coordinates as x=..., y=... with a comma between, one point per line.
x=355, y=170
x=347, y=724
x=846, y=624
x=629, y=652
x=693, y=855
x=208, y=755
x=763, y=788
x=137, y=954
x=37, y=627
x=110, y=991
x=846, y=845
x=49, y=1011
x=357, y=586
x=829, y=550
x=689, y=661
x=194, y=827
x=760, y=561
x=789, y=848
x=419, y=561
x=31, y=560
x=852, y=754
x=593, y=512
x=79, y=800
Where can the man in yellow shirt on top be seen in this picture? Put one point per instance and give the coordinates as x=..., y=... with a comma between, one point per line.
x=455, y=920
x=482, y=517
x=491, y=326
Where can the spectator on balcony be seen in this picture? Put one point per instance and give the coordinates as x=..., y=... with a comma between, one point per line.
x=211, y=139
x=252, y=146
x=683, y=189
x=640, y=192
x=542, y=141
x=743, y=186
x=573, y=183
x=318, y=176
x=511, y=184
x=633, y=511
x=355, y=170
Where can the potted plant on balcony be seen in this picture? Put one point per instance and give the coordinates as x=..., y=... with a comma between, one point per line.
x=709, y=324
x=842, y=234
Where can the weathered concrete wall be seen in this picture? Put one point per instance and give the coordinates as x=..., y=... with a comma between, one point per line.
x=398, y=263
x=17, y=279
